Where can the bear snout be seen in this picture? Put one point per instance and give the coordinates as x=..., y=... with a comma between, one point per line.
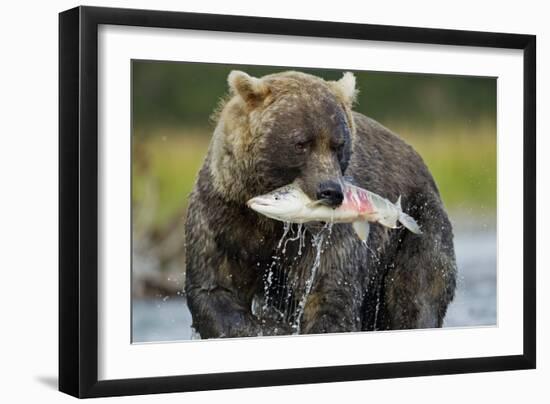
x=330, y=193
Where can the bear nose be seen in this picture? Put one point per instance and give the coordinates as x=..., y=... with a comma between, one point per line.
x=330, y=192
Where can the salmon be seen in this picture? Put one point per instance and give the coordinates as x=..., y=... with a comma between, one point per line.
x=359, y=207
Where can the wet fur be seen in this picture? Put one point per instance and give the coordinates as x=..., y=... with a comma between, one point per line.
x=400, y=281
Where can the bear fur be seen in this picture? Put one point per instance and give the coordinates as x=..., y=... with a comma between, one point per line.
x=289, y=127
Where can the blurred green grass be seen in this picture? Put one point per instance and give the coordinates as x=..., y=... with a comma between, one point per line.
x=463, y=162
x=167, y=166
x=175, y=94
x=462, y=159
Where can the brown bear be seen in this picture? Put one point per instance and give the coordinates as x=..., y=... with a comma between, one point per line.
x=240, y=281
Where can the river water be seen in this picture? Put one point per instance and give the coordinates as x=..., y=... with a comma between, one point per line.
x=169, y=319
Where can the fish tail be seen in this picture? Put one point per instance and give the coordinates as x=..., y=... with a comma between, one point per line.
x=409, y=223
x=406, y=220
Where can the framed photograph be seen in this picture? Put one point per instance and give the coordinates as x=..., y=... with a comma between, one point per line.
x=251, y=201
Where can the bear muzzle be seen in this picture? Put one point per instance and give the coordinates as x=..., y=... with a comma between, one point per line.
x=330, y=193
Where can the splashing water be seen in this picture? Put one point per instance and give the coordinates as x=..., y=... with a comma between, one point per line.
x=287, y=227
x=302, y=242
x=317, y=243
x=293, y=237
x=289, y=308
x=268, y=280
x=281, y=308
x=378, y=286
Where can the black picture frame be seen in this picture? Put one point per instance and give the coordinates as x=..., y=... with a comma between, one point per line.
x=78, y=200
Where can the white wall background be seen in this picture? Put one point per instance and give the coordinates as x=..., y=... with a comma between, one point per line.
x=28, y=199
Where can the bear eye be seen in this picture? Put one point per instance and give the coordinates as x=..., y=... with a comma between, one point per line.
x=301, y=147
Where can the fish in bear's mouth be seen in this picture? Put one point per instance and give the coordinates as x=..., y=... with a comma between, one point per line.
x=359, y=207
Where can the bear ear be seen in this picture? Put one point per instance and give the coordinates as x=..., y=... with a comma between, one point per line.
x=345, y=88
x=251, y=89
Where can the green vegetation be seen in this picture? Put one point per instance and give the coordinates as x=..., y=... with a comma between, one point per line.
x=463, y=163
x=165, y=166
x=185, y=94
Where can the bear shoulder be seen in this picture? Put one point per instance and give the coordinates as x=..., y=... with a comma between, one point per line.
x=384, y=162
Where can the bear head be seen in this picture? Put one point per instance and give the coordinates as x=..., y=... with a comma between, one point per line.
x=282, y=128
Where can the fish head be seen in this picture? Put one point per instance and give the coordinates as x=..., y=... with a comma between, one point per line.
x=284, y=204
